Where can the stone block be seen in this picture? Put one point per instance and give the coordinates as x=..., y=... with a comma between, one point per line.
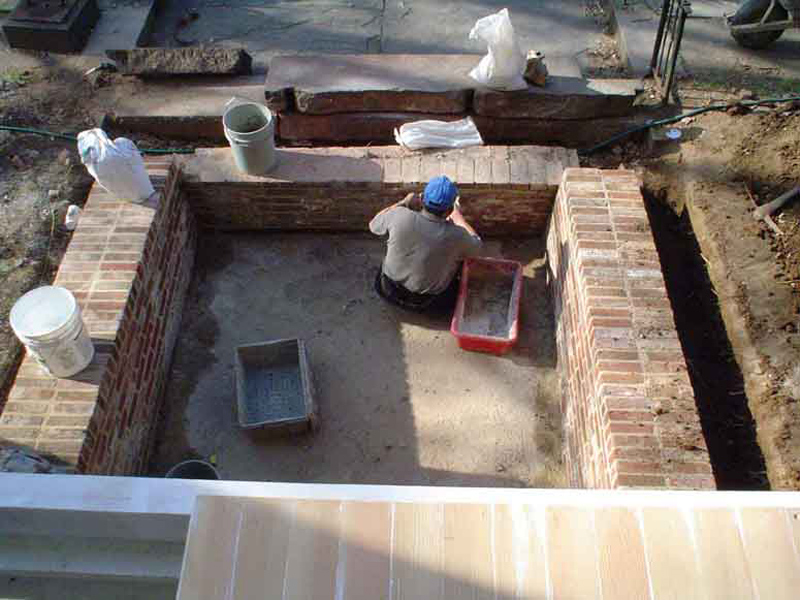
x=563, y=98
x=194, y=60
x=65, y=34
x=378, y=128
x=372, y=83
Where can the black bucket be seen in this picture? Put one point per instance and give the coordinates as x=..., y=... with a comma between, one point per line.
x=192, y=469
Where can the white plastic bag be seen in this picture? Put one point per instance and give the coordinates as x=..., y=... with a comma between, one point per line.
x=115, y=165
x=438, y=134
x=503, y=66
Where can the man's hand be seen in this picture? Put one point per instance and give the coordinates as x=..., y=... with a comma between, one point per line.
x=412, y=201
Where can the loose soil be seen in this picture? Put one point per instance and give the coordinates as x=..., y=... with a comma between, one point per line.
x=399, y=402
x=41, y=176
x=754, y=273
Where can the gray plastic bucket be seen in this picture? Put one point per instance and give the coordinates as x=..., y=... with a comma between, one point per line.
x=250, y=131
x=192, y=469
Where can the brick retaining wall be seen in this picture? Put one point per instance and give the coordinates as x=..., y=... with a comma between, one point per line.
x=628, y=405
x=627, y=402
x=128, y=266
x=505, y=191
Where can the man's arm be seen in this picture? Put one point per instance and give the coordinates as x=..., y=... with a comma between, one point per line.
x=378, y=225
x=458, y=219
x=472, y=241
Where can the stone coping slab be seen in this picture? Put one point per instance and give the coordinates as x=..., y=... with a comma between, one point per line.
x=367, y=83
x=562, y=98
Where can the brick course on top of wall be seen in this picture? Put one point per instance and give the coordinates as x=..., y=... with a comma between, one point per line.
x=504, y=190
x=128, y=266
x=629, y=411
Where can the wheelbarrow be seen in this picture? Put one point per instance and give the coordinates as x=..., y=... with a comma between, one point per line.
x=758, y=23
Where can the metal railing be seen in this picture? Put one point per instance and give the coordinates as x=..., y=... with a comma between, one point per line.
x=668, y=45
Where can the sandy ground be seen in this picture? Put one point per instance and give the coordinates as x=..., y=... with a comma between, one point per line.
x=400, y=403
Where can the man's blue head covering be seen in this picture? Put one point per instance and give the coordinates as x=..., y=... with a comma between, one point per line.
x=440, y=194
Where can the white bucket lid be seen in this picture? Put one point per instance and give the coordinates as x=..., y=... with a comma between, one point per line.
x=42, y=311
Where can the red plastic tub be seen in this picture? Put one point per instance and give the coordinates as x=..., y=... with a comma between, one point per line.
x=486, y=318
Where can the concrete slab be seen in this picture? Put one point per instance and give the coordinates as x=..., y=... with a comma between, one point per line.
x=562, y=98
x=325, y=84
x=190, y=96
x=713, y=9
x=122, y=26
x=399, y=402
x=279, y=27
x=557, y=27
x=707, y=50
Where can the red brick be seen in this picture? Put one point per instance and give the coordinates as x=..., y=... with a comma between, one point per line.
x=692, y=468
x=620, y=427
x=631, y=416
x=21, y=392
x=636, y=480
x=620, y=367
x=20, y=420
x=30, y=408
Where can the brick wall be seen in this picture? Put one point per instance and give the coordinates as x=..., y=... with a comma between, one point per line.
x=504, y=191
x=629, y=412
x=121, y=432
x=128, y=266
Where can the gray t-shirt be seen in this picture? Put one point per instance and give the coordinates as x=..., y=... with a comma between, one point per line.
x=423, y=251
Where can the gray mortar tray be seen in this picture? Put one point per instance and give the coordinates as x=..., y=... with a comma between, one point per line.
x=274, y=391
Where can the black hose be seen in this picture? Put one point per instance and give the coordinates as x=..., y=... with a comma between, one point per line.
x=675, y=119
x=72, y=138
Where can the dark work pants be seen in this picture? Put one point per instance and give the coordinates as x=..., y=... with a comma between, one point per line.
x=440, y=304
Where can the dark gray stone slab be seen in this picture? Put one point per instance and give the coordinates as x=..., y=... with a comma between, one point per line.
x=377, y=128
x=563, y=98
x=327, y=84
x=194, y=60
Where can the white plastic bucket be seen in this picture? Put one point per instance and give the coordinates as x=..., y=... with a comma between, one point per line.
x=250, y=131
x=48, y=321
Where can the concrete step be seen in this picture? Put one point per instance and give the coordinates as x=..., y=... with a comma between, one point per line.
x=102, y=557
x=71, y=588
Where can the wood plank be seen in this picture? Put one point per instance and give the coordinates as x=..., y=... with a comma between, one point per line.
x=724, y=570
x=210, y=549
x=623, y=565
x=263, y=546
x=671, y=556
x=364, y=554
x=770, y=549
x=468, y=552
x=520, y=561
x=418, y=556
x=572, y=554
x=313, y=551
x=794, y=525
